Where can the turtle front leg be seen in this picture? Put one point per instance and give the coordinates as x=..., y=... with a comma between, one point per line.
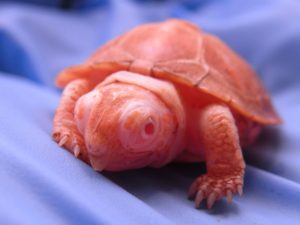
x=224, y=159
x=65, y=131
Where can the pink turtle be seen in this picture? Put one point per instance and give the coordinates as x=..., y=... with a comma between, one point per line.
x=164, y=92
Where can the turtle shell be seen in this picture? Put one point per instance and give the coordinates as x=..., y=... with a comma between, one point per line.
x=180, y=52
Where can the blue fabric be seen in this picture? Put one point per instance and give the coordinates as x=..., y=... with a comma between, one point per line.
x=42, y=184
x=64, y=4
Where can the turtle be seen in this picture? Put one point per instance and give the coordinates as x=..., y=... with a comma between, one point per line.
x=165, y=92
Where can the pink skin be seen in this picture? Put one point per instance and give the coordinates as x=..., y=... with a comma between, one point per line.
x=131, y=121
x=127, y=126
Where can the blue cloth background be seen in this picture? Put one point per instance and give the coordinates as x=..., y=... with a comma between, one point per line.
x=42, y=184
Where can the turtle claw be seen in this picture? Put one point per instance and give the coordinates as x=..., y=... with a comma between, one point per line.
x=211, y=200
x=214, y=188
x=229, y=196
x=63, y=140
x=69, y=141
x=199, y=198
x=240, y=190
x=76, y=151
x=192, y=190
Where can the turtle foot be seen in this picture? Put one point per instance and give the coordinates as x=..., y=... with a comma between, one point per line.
x=214, y=188
x=70, y=141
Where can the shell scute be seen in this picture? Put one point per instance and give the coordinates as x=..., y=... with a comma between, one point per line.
x=180, y=52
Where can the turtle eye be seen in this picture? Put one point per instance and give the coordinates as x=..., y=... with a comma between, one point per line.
x=149, y=128
x=139, y=124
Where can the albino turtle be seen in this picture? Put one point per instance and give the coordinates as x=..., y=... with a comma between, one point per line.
x=164, y=92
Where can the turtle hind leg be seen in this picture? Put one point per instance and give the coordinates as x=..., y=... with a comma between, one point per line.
x=65, y=131
x=224, y=160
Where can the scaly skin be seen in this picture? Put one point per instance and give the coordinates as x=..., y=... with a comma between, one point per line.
x=128, y=121
x=224, y=160
x=186, y=97
x=65, y=131
x=131, y=121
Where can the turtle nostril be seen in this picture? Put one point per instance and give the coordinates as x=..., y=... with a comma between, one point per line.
x=149, y=128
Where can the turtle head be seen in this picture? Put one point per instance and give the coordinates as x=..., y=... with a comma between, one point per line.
x=131, y=121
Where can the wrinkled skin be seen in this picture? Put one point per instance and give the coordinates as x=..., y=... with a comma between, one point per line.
x=131, y=121
x=118, y=117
